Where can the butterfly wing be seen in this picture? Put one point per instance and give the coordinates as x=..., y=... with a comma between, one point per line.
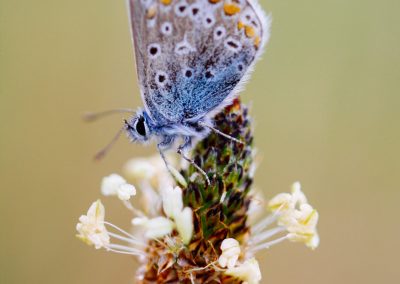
x=192, y=55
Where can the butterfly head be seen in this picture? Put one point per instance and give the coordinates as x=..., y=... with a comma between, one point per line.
x=137, y=127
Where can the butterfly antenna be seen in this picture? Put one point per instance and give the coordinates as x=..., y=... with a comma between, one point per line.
x=222, y=133
x=92, y=116
x=105, y=150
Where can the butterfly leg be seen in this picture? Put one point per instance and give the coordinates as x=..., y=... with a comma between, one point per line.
x=165, y=143
x=204, y=124
x=181, y=149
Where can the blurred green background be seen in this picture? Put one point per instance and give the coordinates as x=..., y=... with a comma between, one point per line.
x=326, y=104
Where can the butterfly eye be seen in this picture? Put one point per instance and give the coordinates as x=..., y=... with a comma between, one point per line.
x=140, y=127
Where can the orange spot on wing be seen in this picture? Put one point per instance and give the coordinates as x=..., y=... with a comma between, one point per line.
x=257, y=41
x=166, y=2
x=231, y=9
x=214, y=1
x=240, y=25
x=249, y=31
x=151, y=12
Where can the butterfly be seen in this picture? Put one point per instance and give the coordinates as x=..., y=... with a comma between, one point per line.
x=192, y=58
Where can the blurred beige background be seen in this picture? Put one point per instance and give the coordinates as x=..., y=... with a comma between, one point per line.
x=326, y=103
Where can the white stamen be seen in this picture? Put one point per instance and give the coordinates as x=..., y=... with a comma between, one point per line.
x=260, y=237
x=172, y=201
x=91, y=229
x=110, y=248
x=268, y=244
x=157, y=227
x=264, y=223
x=184, y=224
x=124, y=248
x=128, y=240
x=134, y=210
x=249, y=271
x=119, y=229
x=230, y=253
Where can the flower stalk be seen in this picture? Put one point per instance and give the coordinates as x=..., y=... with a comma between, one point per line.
x=188, y=231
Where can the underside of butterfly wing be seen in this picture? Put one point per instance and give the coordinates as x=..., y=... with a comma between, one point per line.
x=192, y=55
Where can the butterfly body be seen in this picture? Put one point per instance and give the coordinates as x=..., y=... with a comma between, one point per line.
x=143, y=128
x=192, y=57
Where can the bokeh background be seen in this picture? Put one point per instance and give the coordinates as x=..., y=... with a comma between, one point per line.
x=326, y=103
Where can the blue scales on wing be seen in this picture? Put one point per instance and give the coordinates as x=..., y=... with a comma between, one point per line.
x=193, y=55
